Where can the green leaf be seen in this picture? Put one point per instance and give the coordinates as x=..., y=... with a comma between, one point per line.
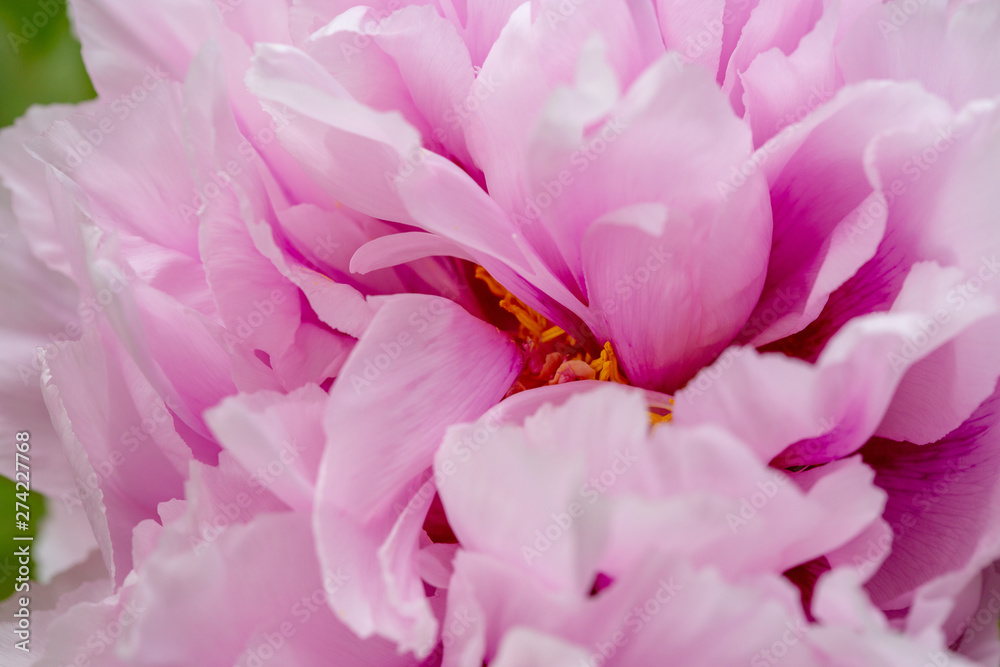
x=43, y=69
x=8, y=529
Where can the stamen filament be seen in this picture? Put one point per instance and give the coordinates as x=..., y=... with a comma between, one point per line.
x=606, y=366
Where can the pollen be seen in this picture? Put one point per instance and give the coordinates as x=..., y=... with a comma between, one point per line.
x=606, y=366
x=552, y=356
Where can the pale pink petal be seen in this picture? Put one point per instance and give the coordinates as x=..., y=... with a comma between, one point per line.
x=315, y=357
x=772, y=24
x=397, y=249
x=329, y=239
x=254, y=583
x=104, y=152
x=949, y=51
x=687, y=608
x=694, y=29
x=783, y=88
x=613, y=176
x=349, y=149
x=522, y=647
x=24, y=176
x=277, y=437
x=123, y=468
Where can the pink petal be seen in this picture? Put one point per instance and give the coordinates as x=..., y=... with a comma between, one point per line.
x=346, y=147
x=103, y=151
x=818, y=242
x=893, y=42
x=24, y=176
x=772, y=24
x=940, y=501
x=400, y=248
x=277, y=437
x=252, y=587
x=119, y=438
x=417, y=347
x=694, y=29
x=435, y=365
x=316, y=356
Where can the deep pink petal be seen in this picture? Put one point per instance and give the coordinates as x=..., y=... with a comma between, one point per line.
x=830, y=409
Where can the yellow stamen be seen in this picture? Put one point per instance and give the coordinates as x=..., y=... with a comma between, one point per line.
x=535, y=326
x=551, y=334
x=496, y=288
x=534, y=323
x=656, y=418
x=535, y=331
x=606, y=366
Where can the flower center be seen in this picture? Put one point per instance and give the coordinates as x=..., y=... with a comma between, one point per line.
x=551, y=355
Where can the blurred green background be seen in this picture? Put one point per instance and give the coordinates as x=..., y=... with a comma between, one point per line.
x=39, y=64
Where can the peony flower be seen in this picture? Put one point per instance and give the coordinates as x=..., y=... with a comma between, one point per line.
x=322, y=319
